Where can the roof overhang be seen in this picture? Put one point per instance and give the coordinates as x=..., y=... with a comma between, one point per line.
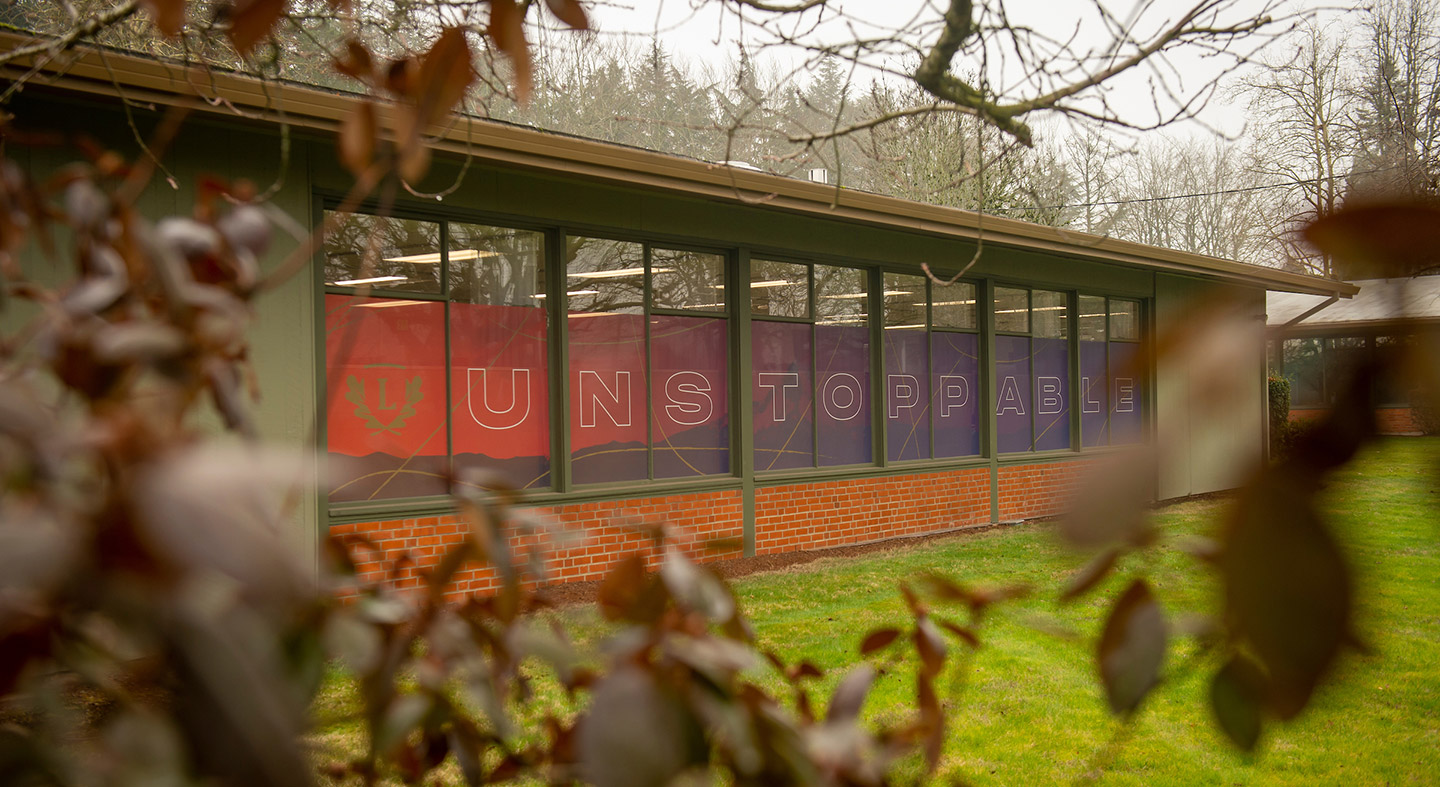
x=146, y=79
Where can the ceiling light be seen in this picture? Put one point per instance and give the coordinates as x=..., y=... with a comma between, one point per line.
x=616, y=274
x=846, y=295
x=387, y=304
x=373, y=280
x=775, y=283
x=953, y=303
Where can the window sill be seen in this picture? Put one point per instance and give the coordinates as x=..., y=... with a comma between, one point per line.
x=347, y=513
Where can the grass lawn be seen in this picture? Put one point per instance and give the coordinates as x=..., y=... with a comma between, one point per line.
x=1027, y=708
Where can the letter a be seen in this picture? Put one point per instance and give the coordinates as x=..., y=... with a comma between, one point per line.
x=1010, y=400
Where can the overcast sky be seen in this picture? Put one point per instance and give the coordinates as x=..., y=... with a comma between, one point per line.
x=699, y=31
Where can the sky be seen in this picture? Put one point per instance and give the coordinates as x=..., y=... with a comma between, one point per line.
x=707, y=32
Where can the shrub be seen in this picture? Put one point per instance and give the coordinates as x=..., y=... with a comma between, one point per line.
x=1282, y=432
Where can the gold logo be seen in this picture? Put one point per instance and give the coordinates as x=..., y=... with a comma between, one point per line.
x=355, y=394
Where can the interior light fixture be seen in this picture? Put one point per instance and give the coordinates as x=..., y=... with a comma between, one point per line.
x=1101, y=314
x=898, y=327
x=954, y=303
x=372, y=280
x=774, y=283
x=616, y=274
x=846, y=295
x=387, y=304
x=433, y=257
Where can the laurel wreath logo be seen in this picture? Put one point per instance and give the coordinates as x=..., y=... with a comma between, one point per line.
x=355, y=394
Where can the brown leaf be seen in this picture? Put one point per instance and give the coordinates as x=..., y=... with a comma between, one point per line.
x=635, y=732
x=357, y=139
x=414, y=159
x=911, y=600
x=1380, y=240
x=622, y=587
x=401, y=76
x=1288, y=591
x=932, y=718
x=850, y=694
x=966, y=635
x=930, y=646
x=444, y=76
x=1236, y=695
x=1132, y=648
x=507, y=30
x=570, y=12
x=877, y=640
x=251, y=21
x=805, y=670
x=1082, y=581
x=356, y=62
x=169, y=15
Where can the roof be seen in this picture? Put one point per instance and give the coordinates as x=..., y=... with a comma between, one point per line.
x=148, y=79
x=1379, y=303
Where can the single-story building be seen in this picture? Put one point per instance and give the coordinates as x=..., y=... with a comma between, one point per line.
x=1318, y=343
x=623, y=334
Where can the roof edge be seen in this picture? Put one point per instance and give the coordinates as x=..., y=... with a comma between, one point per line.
x=91, y=70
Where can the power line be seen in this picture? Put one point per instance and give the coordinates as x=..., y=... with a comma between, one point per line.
x=1220, y=192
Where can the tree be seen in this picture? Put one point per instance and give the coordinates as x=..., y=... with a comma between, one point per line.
x=1398, y=117
x=1301, y=102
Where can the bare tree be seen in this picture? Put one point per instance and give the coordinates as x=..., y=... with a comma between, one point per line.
x=1301, y=104
x=1399, y=101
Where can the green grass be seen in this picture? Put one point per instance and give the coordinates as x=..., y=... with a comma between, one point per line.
x=1027, y=708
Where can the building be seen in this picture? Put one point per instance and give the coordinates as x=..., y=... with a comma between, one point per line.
x=621, y=334
x=1320, y=342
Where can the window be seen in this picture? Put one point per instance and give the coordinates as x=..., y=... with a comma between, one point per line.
x=402, y=296
x=811, y=366
x=932, y=369
x=1126, y=373
x=648, y=360
x=1032, y=370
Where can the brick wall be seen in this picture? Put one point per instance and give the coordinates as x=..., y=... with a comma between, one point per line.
x=831, y=513
x=1028, y=491
x=812, y=515
x=1389, y=420
x=596, y=535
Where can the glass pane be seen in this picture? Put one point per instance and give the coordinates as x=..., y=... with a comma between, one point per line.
x=842, y=362
x=1094, y=391
x=1124, y=321
x=1125, y=423
x=1092, y=318
x=1012, y=393
x=841, y=296
x=607, y=398
x=904, y=301
x=1052, y=392
x=1012, y=310
x=1051, y=314
x=1303, y=368
x=500, y=397
x=690, y=420
x=779, y=289
x=385, y=418
x=384, y=254
x=907, y=408
x=953, y=306
x=1343, y=357
x=496, y=265
x=782, y=391
x=954, y=393
x=687, y=280
x=604, y=276
x=1394, y=352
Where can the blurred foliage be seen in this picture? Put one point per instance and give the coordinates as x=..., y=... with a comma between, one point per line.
x=142, y=566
